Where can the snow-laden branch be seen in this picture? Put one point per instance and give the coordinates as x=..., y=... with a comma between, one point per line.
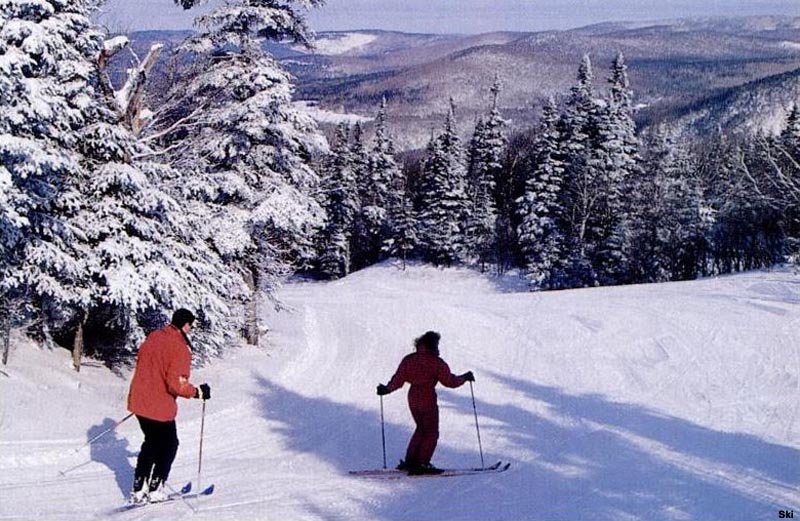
x=782, y=189
x=185, y=122
x=756, y=185
x=791, y=184
x=156, y=153
x=110, y=48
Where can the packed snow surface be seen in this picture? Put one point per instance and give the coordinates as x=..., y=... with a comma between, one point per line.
x=652, y=402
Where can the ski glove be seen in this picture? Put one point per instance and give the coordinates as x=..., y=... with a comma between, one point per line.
x=204, y=392
x=468, y=376
x=382, y=389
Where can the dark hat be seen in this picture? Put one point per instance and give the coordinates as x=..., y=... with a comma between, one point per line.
x=430, y=340
x=182, y=316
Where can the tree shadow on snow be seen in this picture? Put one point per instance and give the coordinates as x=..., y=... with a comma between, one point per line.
x=617, y=461
x=587, y=457
x=112, y=451
x=345, y=436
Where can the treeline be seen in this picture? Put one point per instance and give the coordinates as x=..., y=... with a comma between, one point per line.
x=113, y=213
x=582, y=200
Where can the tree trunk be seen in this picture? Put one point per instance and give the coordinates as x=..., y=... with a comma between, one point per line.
x=251, y=321
x=6, y=332
x=136, y=91
x=77, y=345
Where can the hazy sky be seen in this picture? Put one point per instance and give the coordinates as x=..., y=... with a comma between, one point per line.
x=461, y=16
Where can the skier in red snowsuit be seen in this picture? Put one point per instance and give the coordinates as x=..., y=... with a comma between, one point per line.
x=423, y=370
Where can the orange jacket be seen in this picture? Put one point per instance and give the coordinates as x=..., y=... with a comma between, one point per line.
x=162, y=374
x=423, y=371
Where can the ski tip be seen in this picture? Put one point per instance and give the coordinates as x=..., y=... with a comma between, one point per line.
x=186, y=488
x=208, y=491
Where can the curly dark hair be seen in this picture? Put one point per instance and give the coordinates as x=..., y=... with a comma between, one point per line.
x=430, y=340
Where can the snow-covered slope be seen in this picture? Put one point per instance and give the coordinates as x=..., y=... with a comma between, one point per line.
x=673, y=401
x=342, y=43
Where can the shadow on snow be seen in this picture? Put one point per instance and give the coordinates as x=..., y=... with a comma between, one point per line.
x=590, y=457
x=112, y=451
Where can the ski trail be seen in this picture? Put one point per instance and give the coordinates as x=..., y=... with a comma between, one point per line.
x=676, y=401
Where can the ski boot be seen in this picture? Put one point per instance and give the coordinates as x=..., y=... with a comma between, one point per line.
x=157, y=492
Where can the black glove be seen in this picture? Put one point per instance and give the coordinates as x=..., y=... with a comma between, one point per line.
x=204, y=392
x=382, y=389
x=468, y=376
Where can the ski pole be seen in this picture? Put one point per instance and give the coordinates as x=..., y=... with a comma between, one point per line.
x=117, y=424
x=383, y=435
x=74, y=467
x=200, y=458
x=477, y=427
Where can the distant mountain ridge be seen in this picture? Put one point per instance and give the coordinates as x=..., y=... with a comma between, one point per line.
x=698, y=73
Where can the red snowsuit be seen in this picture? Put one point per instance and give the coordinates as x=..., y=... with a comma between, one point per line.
x=423, y=371
x=162, y=374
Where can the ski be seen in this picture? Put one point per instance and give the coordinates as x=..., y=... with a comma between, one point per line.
x=398, y=474
x=184, y=493
x=205, y=492
x=467, y=472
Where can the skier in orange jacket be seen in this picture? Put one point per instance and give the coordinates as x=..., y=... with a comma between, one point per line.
x=423, y=370
x=162, y=374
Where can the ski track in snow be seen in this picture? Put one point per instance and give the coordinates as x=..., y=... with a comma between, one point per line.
x=652, y=402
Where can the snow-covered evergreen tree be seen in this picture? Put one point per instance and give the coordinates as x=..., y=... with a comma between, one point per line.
x=486, y=152
x=39, y=45
x=341, y=203
x=361, y=243
x=243, y=149
x=787, y=153
x=442, y=204
x=404, y=238
x=381, y=196
x=540, y=230
x=583, y=184
x=102, y=246
x=671, y=220
x=767, y=222
x=790, y=135
x=618, y=162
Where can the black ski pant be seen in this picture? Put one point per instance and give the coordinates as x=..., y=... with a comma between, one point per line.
x=158, y=451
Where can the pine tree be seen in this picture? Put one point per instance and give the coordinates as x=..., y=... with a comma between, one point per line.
x=39, y=114
x=103, y=248
x=340, y=200
x=361, y=244
x=618, y=163
x=671, y=220
x=244, y=151
x=404, y=240
x=787, y=155
x=583, y=187
x=790, y=135
x=442, y=206
x=540, y=212
x=381, y=202
x=486, y=153
x=766, y=215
